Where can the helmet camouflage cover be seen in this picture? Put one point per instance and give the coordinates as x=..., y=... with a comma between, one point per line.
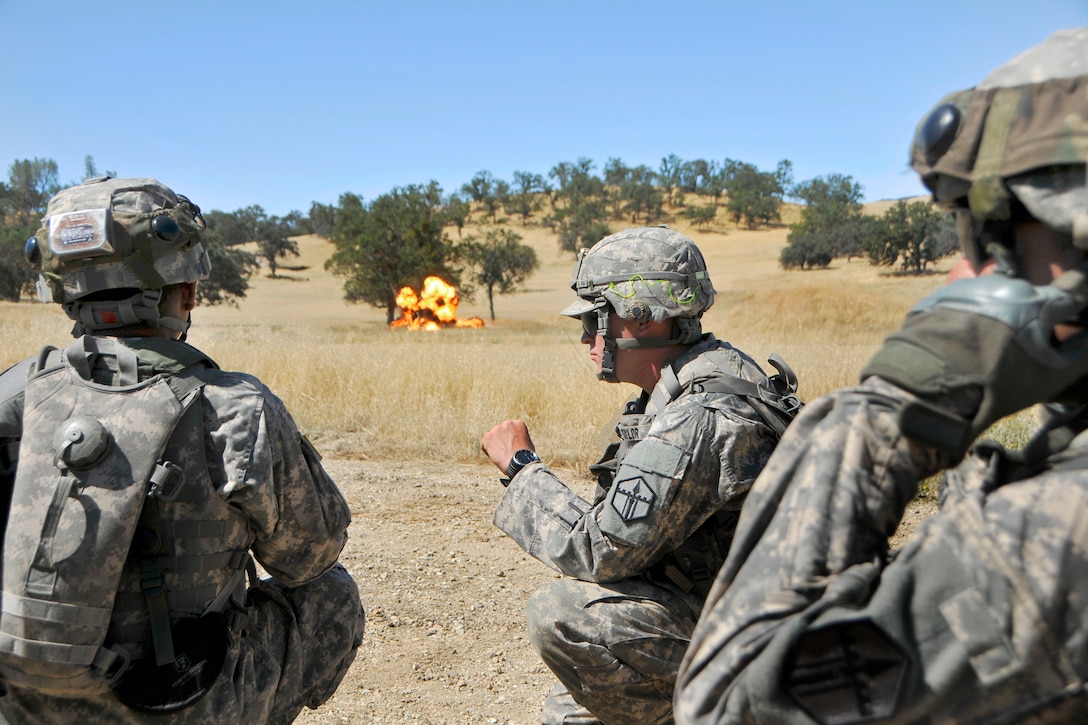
x=1020, y=135
x=644, y=273
x=110, y=234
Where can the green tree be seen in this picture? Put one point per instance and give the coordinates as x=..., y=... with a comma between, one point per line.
x=16, y=274
x=293, y=223
x=829, y=201
x=90, y=169
x=561, y=173
x=641, y=196
x=580, y=221
x=807, y=250
x=22, y=203
x=520, y=204
x=273, y=242
x=30, y=185
x=615, y=175
x=615, y=172
x=528, y=183
x=252, y=224
x=524, y=200
x=456, y=211
x=582, y=184
x=231, y=267
x=396, y=240
x=322, y=219
x=701, y=216
x=713, y=184
x=693, y=175
x=500, y=197
x=832, y=208
x=499, y=263
x=479, y=187
x=669, y=174
x=580, y=227
x=754, y=196
x=914, y=234
x=850, y=236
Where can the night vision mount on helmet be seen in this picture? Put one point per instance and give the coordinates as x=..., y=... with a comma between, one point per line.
x=642, y=274
x=107, y=248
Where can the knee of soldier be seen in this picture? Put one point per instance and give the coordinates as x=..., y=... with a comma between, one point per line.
x=552, y=613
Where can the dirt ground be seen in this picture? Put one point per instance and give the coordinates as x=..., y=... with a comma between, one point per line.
x=444, y=592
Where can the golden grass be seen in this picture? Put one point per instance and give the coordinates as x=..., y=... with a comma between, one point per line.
x=368, y=391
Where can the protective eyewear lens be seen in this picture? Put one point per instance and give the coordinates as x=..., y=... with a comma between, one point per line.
x=589, y=323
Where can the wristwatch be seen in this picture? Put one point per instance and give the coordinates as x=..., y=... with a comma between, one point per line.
x=520, y=460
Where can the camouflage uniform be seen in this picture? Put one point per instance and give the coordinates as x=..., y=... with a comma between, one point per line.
x=265, y=485
x=121, y=254
x=615, y=634
x=981, y=617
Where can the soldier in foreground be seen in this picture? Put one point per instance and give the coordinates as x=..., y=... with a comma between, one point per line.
x=641, y=554
x=145, y=481
x=983, y=615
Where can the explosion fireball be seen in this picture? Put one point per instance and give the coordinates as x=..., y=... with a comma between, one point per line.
x=433, y=308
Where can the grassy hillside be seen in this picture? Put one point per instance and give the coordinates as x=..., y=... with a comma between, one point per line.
x=372, y=392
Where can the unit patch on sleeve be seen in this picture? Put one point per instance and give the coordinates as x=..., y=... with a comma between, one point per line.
x=642, y=492
x=632, y=499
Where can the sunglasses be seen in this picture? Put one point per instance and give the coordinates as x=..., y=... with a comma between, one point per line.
x=589, y=323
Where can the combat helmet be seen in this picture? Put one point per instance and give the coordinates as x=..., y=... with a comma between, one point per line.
x=1014, y=147
x=107, y=248
x=641, y=274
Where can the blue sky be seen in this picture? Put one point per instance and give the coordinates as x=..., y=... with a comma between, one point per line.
x=238, y=102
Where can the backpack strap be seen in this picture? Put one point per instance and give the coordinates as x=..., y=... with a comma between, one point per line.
x=165, y=486
x=777, y=404
x=669, y=389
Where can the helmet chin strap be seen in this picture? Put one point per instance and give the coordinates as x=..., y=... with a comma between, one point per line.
x=608, y=361
x=608, y=357
x=683, y=334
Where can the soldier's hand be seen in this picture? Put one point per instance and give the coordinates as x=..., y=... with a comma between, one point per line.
x=501, y=442
x=991, y=346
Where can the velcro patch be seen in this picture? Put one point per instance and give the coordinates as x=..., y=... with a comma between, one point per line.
x=632, y=499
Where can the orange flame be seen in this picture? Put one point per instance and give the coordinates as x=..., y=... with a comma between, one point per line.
x=435, y=307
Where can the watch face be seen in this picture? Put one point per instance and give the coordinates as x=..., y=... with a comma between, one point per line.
x=520, y=460
x=525, y=457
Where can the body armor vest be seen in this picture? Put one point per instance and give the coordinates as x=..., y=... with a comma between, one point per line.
x=693, y=565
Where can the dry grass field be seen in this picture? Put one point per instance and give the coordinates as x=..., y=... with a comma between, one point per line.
x=399, y=415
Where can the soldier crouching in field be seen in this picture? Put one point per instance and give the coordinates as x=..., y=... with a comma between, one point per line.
x=142, y=482
x=982, y=617
x=641, y=554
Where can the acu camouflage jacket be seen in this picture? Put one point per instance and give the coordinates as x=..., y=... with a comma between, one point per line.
x=675, y=493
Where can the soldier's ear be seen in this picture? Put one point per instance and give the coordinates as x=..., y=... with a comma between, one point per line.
x=651, y=329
